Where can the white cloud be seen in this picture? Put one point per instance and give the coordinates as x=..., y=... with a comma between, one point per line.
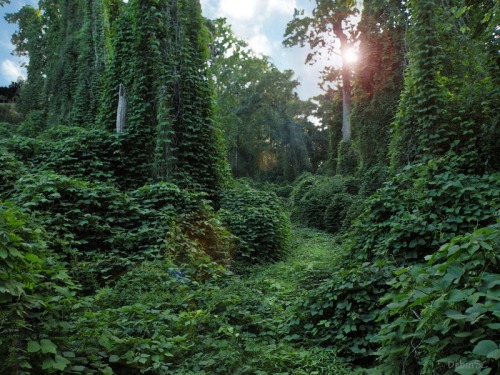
x=281, y=6
x=238, y=10
x=260, y=44
x=11, y=71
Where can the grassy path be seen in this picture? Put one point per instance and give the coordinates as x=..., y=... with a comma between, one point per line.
x=308, y=263
x=269, y=291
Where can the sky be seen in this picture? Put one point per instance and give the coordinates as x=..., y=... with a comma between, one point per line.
x=261, y=23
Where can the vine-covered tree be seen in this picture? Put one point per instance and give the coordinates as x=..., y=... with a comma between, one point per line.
x=378, y=79
x=28, y=42
x=447, y=103
x=330, y=21
x=160, y=52
x=67, y=45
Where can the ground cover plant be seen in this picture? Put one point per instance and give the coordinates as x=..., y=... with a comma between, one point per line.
x=357, y=232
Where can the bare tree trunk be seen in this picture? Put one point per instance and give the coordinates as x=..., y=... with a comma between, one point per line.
x=121, y=114
x=346, y=82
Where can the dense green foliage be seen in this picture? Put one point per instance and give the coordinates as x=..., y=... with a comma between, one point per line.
x=160, y=53
x=341, y=312
x=131, y=250
x=35, y=294
x=266, y=126
x=259, y=221
x=322, y=202
x=445, y=311
x=424, y=207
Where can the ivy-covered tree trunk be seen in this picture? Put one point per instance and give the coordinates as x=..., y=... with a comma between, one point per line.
x=29, y=42
x=422, y=122
x=121, y=115
x=160, y=52
x=346, y=81
x=378, y=80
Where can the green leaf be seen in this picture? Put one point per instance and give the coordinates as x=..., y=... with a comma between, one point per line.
x=432, y=340
x=469, y=368
x=485, y=347
x=60, y=363
x=33, y=347
x=33, y=258
x=113, y=358
x=495, y=354
x=48, y=364
x=48, y=346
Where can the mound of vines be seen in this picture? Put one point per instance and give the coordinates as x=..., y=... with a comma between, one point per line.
x=259, y=221
x=423, y=208
x=442, y=316
x=322, y=202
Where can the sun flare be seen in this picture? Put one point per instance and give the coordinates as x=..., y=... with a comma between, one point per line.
x=351, y=56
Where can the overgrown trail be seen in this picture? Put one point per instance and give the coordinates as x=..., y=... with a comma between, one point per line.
x=267, y=295
x=312, y=255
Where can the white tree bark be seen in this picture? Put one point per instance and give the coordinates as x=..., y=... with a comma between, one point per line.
x=121, y=114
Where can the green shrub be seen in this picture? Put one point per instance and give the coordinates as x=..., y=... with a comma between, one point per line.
x=442, y=316
x=336, y=212
x=93, y=155
x=353, y=212
x=7, y=130
x=10, y=171
x=100, y=228
x=373, y=179
x=9, y=115
x=34, y=123
x=158, y=196
x=26, y=150
x=260, y=223
x=422, y=208
x=80, y=215
x=322, y=202
x=35, y=292
x=90, y=154
x=196, y=240
x=348, y=159
x=341, y=311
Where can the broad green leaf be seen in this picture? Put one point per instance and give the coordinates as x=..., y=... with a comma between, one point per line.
x=33, y=258
x=485, y=347
x=48, y=346
x=60, y=363
x=33, y=347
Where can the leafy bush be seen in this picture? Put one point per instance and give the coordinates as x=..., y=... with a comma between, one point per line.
x=82, y=153
x=422, y=208
x=373, y=179
x=322, y=202
x=26, y=149
x=342, y=310
x=260, y=223
x=195, y=241
x=100, y=228
x=347, y=159
x=442, y=316
x=8, y=115
x=35, y=290
x=310, y=198
x=336, y=212
x=91, y=154
x=79, y=215
x=9, y=173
